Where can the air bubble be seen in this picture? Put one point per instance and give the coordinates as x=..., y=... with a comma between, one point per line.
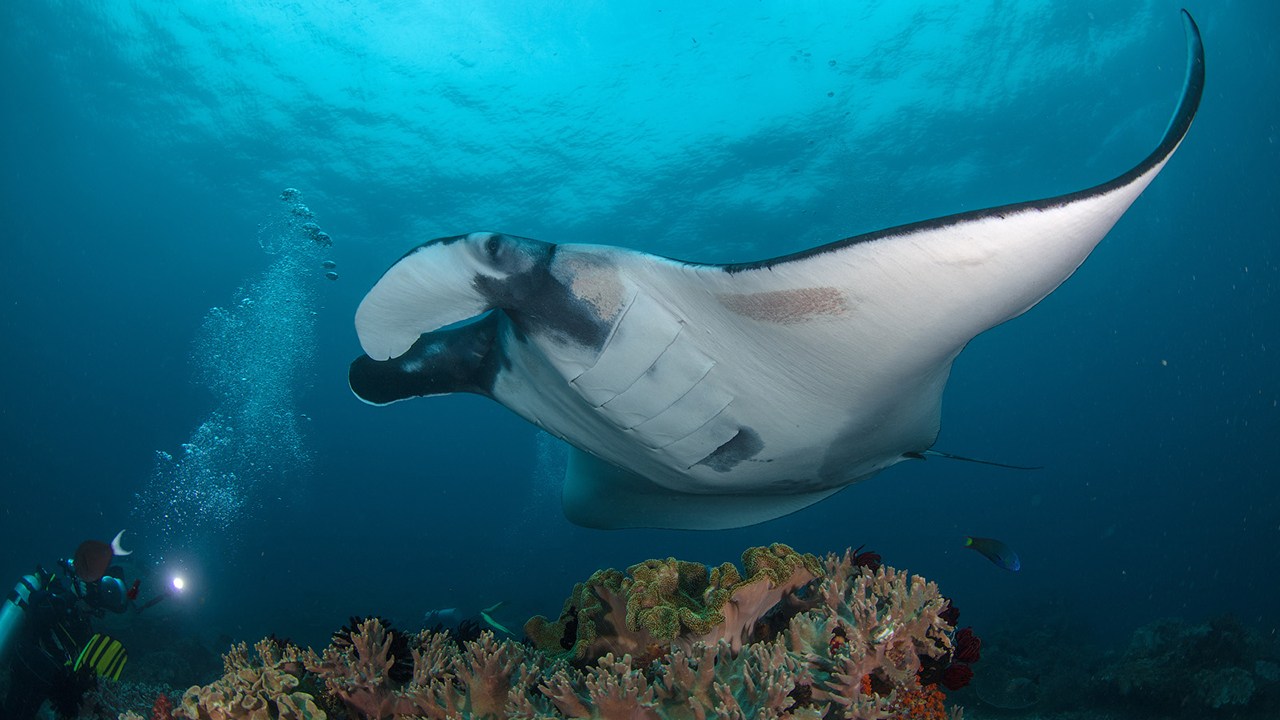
x=254, y=356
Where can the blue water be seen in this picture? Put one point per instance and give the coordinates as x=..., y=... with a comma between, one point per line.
x=145, y=146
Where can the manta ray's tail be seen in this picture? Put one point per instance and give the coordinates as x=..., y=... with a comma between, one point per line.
x=938, y=453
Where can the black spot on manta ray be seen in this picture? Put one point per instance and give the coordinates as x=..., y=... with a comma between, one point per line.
x=745, y=445
x=537, y=302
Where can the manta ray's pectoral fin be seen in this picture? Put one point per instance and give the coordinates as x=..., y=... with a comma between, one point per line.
x=598, y=494
x=459, y=359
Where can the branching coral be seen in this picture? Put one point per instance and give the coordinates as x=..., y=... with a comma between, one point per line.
x=483, y=679
x=889, y=620
x=788, y=637
x=357, y=669
x=708, y=681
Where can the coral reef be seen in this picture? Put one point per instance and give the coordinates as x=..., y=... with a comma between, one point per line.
x=261, y=688
x=114, y=699
x=1045, y=665
x=790, y=636
x=1177, y=668
x=660, y=602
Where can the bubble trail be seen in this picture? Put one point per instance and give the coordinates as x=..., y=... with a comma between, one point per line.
x=254, y=355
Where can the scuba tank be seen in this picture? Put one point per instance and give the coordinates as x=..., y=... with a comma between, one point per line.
x=13, y=614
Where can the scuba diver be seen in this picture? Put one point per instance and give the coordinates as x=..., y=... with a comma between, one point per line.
x=46, y=631
x=465, y=627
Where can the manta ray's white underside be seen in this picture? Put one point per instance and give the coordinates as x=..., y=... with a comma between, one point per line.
x=711, y=396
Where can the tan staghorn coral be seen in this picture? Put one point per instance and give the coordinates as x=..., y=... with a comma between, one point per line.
x=482, y=679
x=708, y=681
x=867, y=633
x=486, y=680
x=763, y=680
x=249, y=689
x=356, y=670
x=613, y=688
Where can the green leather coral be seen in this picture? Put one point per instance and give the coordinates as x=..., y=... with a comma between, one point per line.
x=778, y=562
x=582, y=618
x=671, y=597
x=661, y=602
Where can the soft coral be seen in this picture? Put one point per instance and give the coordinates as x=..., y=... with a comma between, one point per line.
x=162, y=708
x=927, y=703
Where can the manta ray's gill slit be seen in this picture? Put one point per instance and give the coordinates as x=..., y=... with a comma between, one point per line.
x=608, y=339
x=743, y=446
x=673, y=375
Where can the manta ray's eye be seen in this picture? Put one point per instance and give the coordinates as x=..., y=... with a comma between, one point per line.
x=492, y=246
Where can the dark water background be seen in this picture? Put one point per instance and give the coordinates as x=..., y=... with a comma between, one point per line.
x=144, y=147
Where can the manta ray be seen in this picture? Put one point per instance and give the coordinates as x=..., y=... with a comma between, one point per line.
x=707, y=396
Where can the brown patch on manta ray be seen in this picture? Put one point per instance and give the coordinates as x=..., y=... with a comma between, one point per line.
x=593, y=280
x=787, y=306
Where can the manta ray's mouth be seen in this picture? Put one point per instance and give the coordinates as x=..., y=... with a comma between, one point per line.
x=433, y=287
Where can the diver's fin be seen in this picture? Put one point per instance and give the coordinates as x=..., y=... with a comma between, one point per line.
x=949, y=456
x=103, y=655
x=488, y=619
x=116, y=548
x=487, y=615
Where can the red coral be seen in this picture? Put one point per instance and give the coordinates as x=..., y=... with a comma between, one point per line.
x=927, y=703
x=957, y=676
x=869, y=560
x=968, y=646
x=839, y=641
x=162, y=708
x=952, y=614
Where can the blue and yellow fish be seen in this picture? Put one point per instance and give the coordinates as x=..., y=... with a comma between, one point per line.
x=995, y=551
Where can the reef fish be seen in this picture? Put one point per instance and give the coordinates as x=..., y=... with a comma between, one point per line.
x=995, y=551
x=720, y=395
